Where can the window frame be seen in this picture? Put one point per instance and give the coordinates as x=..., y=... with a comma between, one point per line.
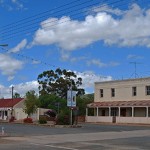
x=134, y=91
x=112, y=92
x=147, y=90
x=101, y=93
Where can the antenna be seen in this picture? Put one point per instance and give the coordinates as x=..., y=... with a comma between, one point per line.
x=135, y=68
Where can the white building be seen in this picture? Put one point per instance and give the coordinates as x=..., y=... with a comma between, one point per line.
x=15, y=107
x=121, y=101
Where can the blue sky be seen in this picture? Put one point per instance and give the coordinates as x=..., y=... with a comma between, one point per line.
x=99, y=40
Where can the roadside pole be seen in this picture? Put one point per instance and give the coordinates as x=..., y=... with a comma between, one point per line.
x=71, y=106
x=71, y=102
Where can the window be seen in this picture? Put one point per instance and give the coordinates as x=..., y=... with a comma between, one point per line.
x=147, y=90
x=101, y=93
x=114, y=111
x=133, y=91
x=112, y=92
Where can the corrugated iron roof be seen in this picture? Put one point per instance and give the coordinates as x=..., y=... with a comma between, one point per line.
x=9, y=102
x=120, y=103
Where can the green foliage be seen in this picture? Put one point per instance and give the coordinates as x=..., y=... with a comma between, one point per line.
x=42, y=120
x=16, y=95
x=31, y=102
x=58, y=82
x=54, y=102
x=63, y=118
x=82, y=102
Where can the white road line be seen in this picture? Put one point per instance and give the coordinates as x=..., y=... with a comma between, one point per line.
x=60, y=147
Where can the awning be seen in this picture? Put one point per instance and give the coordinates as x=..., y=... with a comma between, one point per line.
x=138, y=103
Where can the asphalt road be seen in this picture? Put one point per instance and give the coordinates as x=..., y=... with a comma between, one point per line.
x=88, y=137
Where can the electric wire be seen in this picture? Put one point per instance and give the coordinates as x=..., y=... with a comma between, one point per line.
x=32, y=59
x=6, y=51
x=24, y=21
x=28, y=30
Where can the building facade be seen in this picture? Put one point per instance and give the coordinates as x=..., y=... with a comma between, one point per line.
x=121, y=101
x=15, y=107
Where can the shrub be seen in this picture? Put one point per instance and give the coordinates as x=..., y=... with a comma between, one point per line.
x=12, y=119
x=62, y=119
x=42, y=120
x=28, y=120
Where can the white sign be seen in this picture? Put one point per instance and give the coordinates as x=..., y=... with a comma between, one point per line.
x=71, y=98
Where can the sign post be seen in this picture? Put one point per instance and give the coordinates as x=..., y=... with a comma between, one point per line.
x=71, y=101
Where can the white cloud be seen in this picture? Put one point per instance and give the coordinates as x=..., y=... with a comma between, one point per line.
x=19, y=47
x=89, y=78
x=132, y=56
x=12, y=4
x=88, y=82
x=106, y=8
x=18, y=4
x=101, y=64
x=130, y=28
x=9, y=66
x=21, y=88
x=65, y=56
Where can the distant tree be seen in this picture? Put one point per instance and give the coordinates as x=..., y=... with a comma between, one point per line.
x=31, y=103
x=82, y=102
x=58, y=82
x=54, y=102
x=16, y=95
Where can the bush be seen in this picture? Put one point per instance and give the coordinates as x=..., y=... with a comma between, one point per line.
x=62, y=119
x=42, y=120
x=28, y=120
x=12, y=119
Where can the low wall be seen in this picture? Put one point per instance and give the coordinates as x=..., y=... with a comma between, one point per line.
x=134, y=120
x=99, y=119
x=139, y=120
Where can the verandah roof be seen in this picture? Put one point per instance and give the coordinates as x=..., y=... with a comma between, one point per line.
x=137, y=103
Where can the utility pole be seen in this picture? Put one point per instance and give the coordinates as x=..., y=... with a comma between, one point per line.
x=12, y=99
x=71, y=105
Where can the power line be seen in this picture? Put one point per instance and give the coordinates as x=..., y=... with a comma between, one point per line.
x=45, y=63
x=24, y=21
x=29, y=29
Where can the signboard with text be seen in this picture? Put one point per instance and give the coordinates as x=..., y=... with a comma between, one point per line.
x=71, y=98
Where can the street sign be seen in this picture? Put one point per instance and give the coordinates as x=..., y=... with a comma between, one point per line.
x=71, y=98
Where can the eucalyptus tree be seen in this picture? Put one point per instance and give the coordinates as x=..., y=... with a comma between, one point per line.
x=58, y=82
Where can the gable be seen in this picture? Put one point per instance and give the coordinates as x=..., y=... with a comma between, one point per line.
x=7, y=103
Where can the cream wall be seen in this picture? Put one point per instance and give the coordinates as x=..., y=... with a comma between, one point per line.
x=20, y=104
x=19, y=114
x=123, y=90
